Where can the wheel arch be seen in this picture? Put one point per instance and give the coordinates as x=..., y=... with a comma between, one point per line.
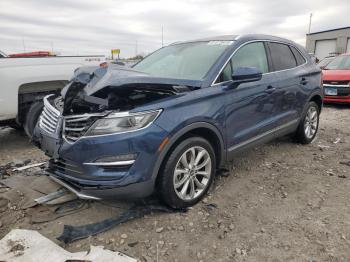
x=32, y=92
x=317, y=98
x=202, y=129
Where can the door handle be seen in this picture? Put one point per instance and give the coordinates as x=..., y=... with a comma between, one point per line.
x=270, y=89
x=304, y=81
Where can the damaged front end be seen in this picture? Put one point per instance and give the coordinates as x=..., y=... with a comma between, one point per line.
x=95, y=132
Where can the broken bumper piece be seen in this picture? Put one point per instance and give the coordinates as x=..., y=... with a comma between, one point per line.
x=137, y=190
x=72, y=189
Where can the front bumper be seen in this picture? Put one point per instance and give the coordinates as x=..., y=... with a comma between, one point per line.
x=71, y=166
x=342, y=94
x=336, y=99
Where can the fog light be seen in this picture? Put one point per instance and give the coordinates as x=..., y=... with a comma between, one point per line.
x=119, y=160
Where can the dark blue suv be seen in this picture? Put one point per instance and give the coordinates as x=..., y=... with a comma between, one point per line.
x=169, y=122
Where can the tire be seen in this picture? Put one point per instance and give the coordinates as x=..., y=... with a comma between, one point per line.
x=304, y=135
x=198, y=179
x=16, y=127
x=32, y=117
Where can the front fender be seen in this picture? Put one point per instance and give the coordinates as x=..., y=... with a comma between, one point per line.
x=173, y=138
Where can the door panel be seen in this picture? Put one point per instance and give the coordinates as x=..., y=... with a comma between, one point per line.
x=285, y=97
x=286, y=82
x=248, y=107
x=248, y=111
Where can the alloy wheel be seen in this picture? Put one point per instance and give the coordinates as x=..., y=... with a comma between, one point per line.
x=311, y=122
x=192, y=173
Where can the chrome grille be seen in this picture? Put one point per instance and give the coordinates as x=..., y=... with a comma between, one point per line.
x=337, y=83
x=49, y=118
x=76, y=126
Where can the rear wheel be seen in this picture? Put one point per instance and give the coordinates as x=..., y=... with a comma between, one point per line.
x=32, y=117
x=308, y=127
x=188, y=173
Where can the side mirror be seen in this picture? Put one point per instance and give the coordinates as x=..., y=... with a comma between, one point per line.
x=244, y=75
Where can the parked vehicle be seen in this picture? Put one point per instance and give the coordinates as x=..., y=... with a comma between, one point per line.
x=2, y=55
x=32, y=54
x=325, y=61
x=167, y=124
x=25, y=81
x=336, y=80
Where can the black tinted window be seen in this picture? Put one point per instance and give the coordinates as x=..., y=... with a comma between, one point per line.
x=300, y=59
x=282, y=57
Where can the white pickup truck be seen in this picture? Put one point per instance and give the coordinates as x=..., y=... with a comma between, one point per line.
x=25, y=81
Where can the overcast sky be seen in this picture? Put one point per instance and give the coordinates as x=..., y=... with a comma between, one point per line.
x=95, y=27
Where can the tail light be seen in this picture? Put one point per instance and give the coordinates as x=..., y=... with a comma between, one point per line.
x=104, y=65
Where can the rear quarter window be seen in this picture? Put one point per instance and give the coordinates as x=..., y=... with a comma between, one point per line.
x=300, y=59
x=281, y=56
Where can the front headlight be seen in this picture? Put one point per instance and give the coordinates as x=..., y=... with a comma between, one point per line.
x=122, y=122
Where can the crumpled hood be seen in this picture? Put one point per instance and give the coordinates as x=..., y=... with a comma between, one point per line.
x=95, y=89
x=116, y=76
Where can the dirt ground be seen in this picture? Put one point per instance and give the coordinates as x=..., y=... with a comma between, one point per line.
x=280, y=202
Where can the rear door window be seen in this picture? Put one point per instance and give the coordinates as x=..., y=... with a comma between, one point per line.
x=281, y=56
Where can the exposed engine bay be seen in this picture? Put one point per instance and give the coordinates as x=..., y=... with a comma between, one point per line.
x=115, y=89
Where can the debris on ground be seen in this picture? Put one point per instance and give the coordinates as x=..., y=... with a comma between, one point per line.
x=72, y=233
x=210, y=207
x=51, y=196
x=28, y=166
x=337, y=140
x=30, y=246
x=25, y=189
x=323, y=147
x=347, y=163
x=45, y=213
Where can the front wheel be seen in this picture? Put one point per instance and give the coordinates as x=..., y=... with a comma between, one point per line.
x=188, y=173
x=308, y=127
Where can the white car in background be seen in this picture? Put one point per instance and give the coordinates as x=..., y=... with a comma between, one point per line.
x=25, y=81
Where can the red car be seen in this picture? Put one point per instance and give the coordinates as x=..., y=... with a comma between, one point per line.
x=336, y=80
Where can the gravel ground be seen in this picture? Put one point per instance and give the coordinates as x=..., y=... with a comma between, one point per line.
x=279, y=202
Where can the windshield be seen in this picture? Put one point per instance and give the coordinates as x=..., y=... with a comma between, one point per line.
x=339, y=63
x=325, y=61
x=190, y=61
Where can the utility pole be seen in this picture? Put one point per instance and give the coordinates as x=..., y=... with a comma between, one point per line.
x=162, y=37
x=310, y=23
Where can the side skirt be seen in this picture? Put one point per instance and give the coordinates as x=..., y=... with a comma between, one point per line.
x=279, y=131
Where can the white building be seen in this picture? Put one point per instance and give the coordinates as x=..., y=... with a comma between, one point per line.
x=329, y=42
